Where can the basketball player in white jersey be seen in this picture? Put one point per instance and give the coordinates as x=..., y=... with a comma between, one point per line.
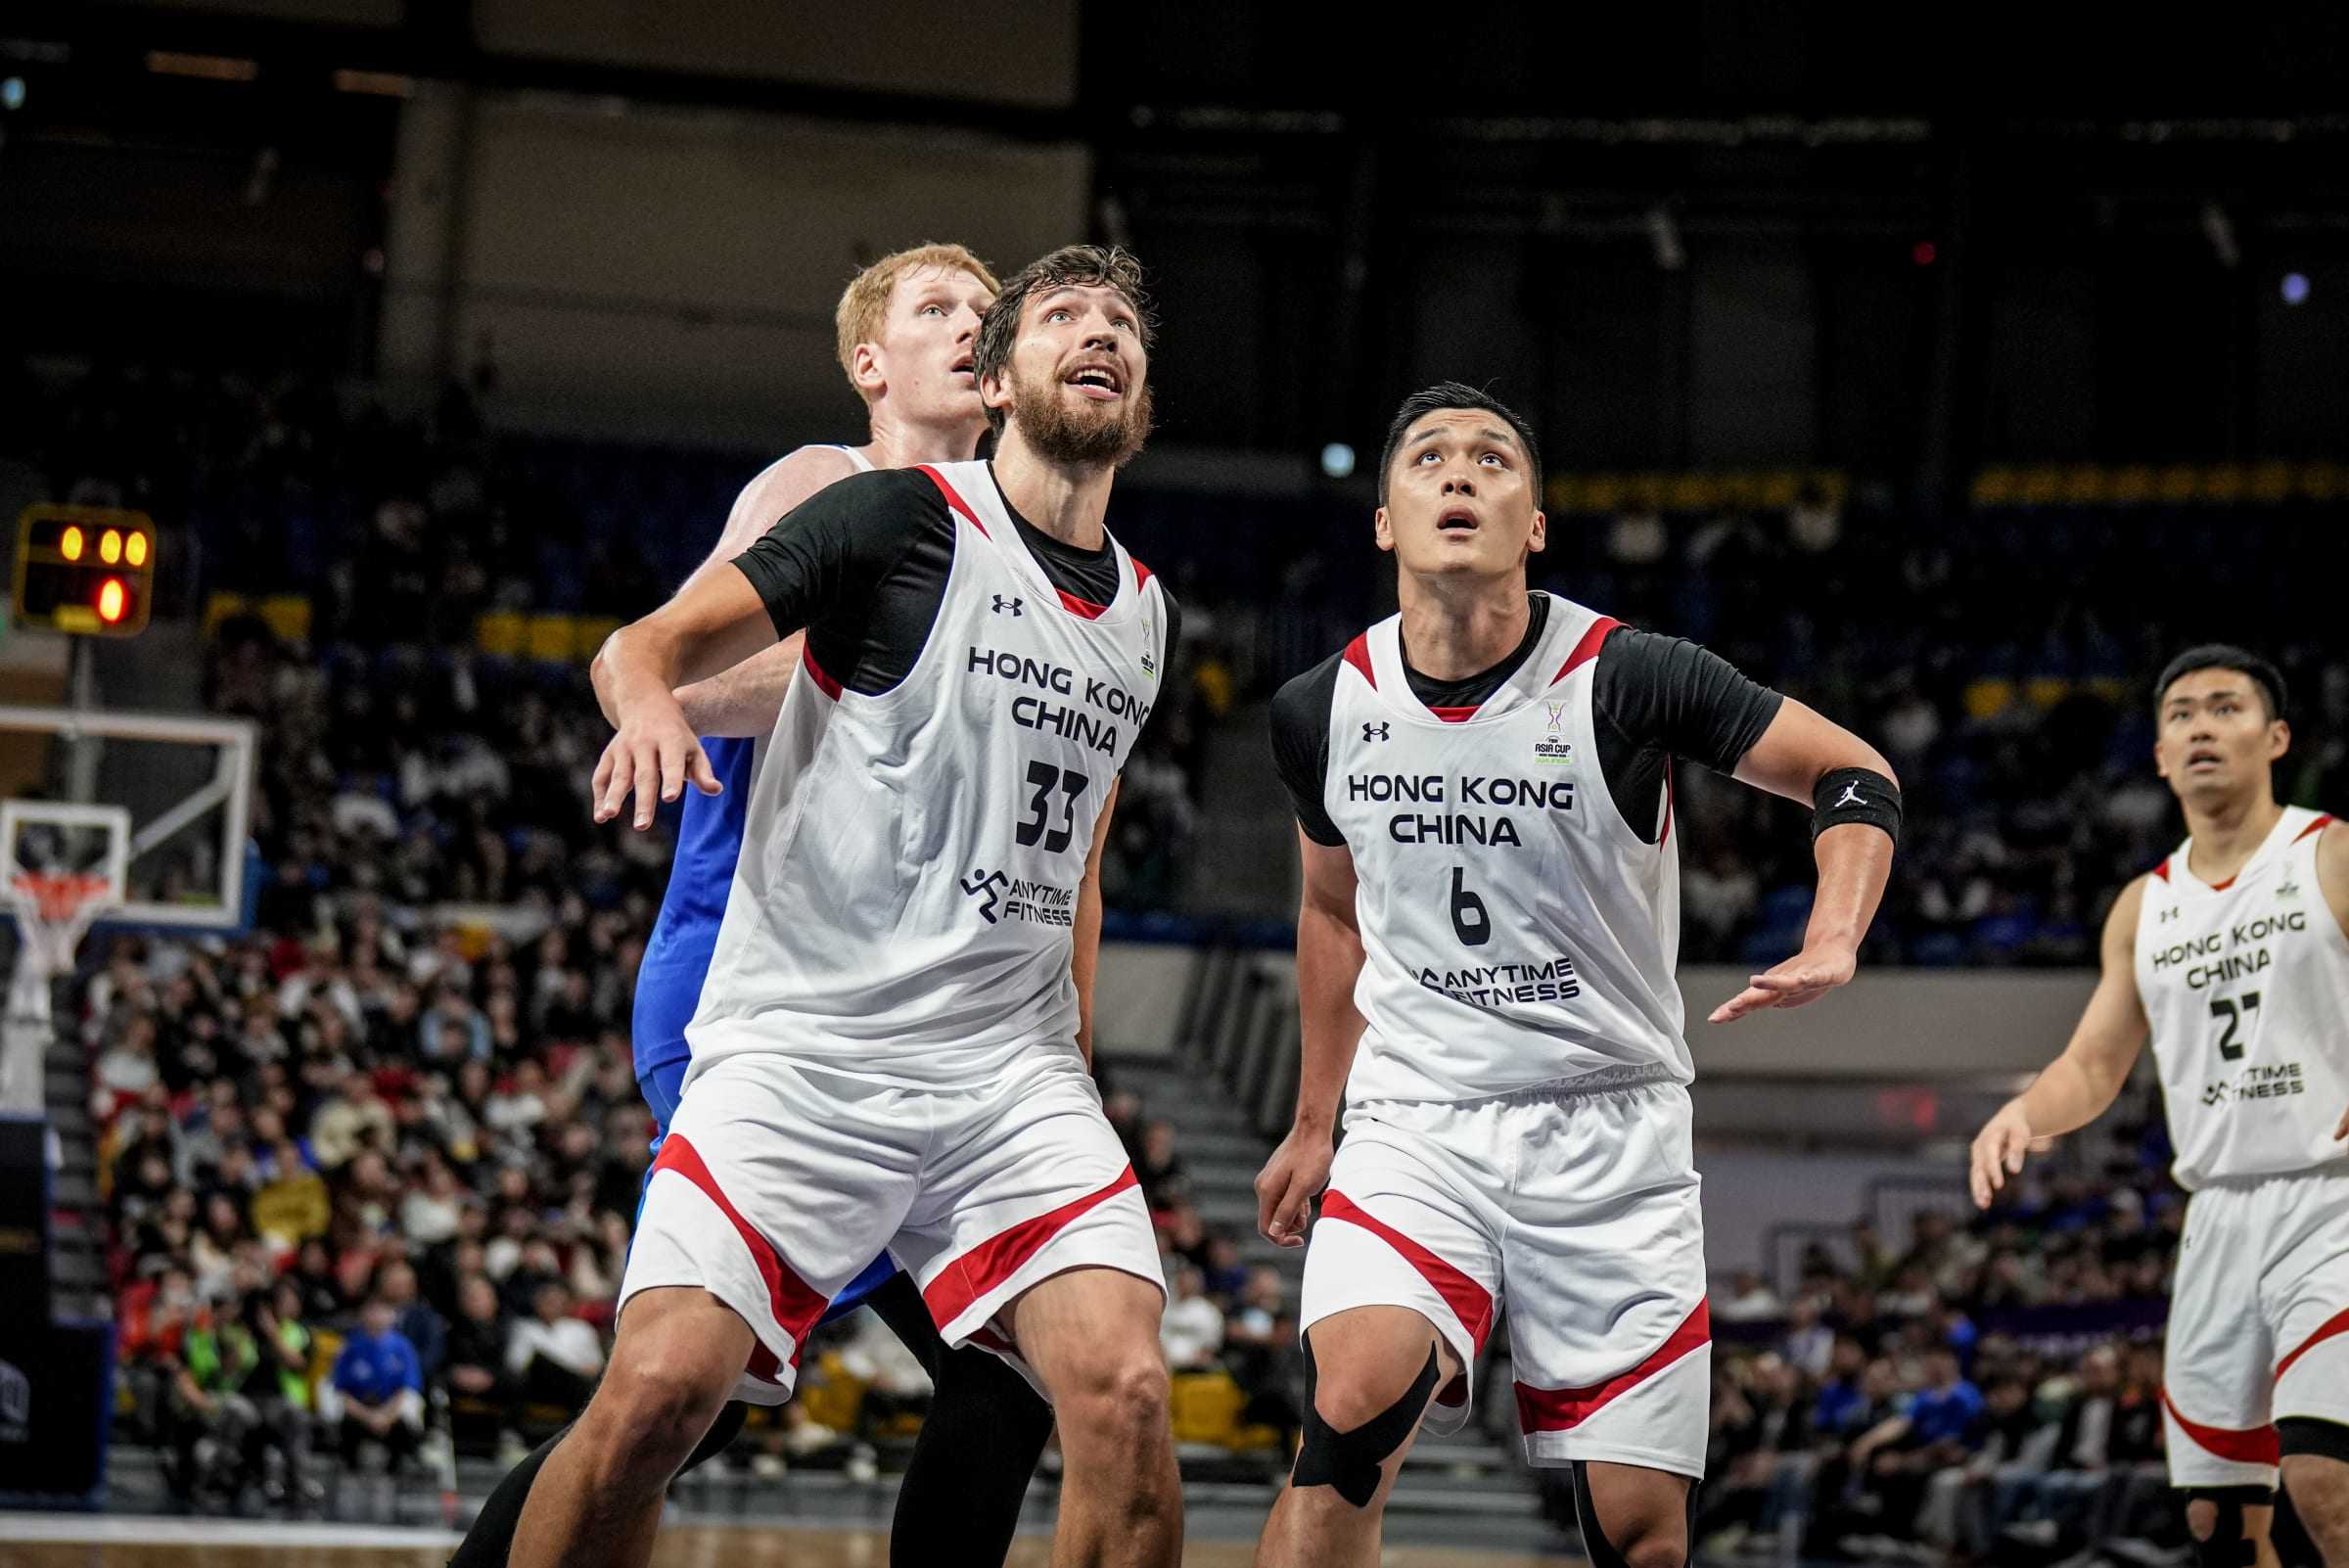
x=2233, y=955
x=906, y=328
x=1485, y=958
x=885, y=1054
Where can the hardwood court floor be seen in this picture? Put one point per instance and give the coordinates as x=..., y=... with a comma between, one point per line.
x=693, y=1547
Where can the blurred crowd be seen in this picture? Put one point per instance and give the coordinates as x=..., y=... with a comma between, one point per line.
x=1989, y=1392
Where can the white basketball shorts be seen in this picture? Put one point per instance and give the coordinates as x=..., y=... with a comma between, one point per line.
x=1580, y=1212
x=778, y=1183
x=2259, y=1323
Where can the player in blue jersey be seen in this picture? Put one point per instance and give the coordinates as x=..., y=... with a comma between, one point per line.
x=906, y=326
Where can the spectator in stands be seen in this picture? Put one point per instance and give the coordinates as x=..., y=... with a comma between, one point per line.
x=1749, y=1300
x=475, y=1368
x=290, y=1205
x=1260, y=1342
x=552, y=1356
x=375, y=1395
x=412, y=1317
x=1159, y=1167
x=1191, y=1331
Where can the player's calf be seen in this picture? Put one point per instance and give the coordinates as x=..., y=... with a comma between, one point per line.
x=1631, y=1517
x=2316, y=1472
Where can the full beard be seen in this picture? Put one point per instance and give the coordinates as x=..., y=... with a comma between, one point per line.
x=1094, y=434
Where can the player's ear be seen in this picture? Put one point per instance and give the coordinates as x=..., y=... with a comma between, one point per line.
x=994, y=392
x=1539, y=539
x=2280, y=738
x=865, y=373
x=1381, y=530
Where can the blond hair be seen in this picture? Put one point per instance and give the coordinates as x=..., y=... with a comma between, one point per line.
x=864, y=304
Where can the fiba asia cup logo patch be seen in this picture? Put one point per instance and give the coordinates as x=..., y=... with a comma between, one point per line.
x=1554, y=748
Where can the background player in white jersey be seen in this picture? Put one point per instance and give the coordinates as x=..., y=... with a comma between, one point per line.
x=2233, y=955
x=887, y=1051
x=1484, y=959
x=906, y=328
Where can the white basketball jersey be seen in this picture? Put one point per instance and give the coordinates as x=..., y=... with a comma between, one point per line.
x=902, y=908
x=1516, y=933
x=2247, y=984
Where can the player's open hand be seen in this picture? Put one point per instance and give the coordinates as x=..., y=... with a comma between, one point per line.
x=1999, y=1150
x=650, y=758
x=1804, y=978
x=1288, y=1183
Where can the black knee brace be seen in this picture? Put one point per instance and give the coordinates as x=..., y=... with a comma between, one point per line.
x=1595, y=1545
x=1349, y=1461
x=2313, y=1435
x=2229, y=1544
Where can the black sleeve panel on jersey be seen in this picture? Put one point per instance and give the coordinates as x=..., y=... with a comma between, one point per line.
x=861, y=565
x=1654, y=697
x=1301, y=746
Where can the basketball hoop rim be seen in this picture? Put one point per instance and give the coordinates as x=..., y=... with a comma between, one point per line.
x=58, y=898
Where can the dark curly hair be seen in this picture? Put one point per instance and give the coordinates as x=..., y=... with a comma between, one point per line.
x=1083, y=265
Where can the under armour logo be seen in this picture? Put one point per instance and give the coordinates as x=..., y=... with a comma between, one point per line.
x=1371, y=732
x=1851, y=797
x=2171, y=913
x=985, y=882
x=1007, y=606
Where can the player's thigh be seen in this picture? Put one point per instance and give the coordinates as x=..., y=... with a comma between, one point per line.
x=2218, y=1362
x=2306, y=1291
x=1605, y=1266
x=773, y=1189
x=1032, y=1184
x=1406, y=1236
x=1365, y=1359
x=1087, y=1329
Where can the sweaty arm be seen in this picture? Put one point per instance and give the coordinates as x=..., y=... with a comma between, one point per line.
x=1799, y=749
x=744, y=699
x=1085, y=956
x=824, y=561
x=2075, y=1089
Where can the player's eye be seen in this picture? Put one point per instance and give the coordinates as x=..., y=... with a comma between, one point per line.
x=1431, y=453
x=1493, y=457
x=934, y=310
x=1058, y=314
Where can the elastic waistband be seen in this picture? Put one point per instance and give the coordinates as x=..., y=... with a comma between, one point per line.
x=1604, y=1081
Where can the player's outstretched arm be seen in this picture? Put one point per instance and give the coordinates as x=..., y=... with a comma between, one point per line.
x=2075, y=1089
x=1799, y=749
x=1329, y=959
x=744, y=699
x=715, y=622
x=1084, y=953
x=2333, y=880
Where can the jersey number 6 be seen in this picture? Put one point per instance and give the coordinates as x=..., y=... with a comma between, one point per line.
x=1469, y=921
x=1046, y=778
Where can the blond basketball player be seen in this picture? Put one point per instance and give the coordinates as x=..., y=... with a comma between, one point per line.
x=2233, y=955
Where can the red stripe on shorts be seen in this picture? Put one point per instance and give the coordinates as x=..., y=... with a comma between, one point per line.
x=2256, y=1445
x=1469, y=1301
x=795, y=1307
x=996, y=1258
x=1561, y=1410
x=2337, y=1323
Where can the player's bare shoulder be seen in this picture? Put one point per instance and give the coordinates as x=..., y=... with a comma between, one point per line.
x=2120, y=924
x=789, y=480
x=2333, y=868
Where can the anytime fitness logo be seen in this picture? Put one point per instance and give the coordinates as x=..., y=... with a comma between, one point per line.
x=1004, y=897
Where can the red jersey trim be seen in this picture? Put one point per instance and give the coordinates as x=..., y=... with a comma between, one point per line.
x=986, y=1266
x=1586, y=649
x=2318, y=826
x=1469, y=1301
x=1141, y=575
x=1082, y=607
x=815, y=672
x=2255, y=1444
x=2163, y=870
x=796, y=1305
x=1561, y=1410
x=955, y=499
x=1357, y=653
x=1455, y=716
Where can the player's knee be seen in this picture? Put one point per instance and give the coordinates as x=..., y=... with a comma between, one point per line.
x=2201, y=1518
x=1120, y=1392
x=2215, y=1518
x=1352, y=1394
x=1664, y=1546
x=655, y=1404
